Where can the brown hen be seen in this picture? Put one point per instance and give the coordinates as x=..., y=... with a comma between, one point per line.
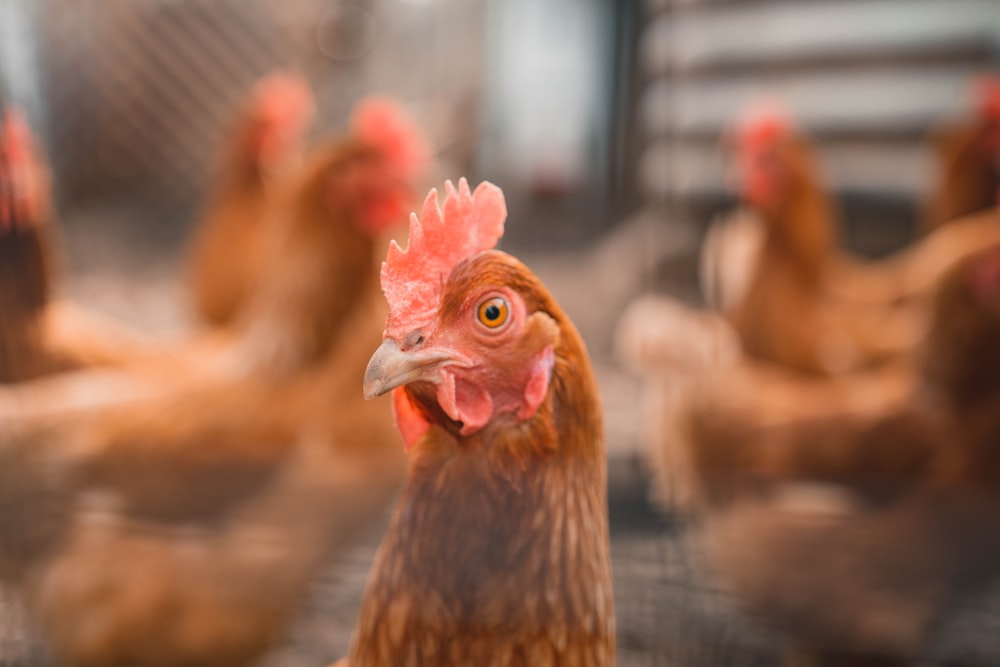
x=498, y=551
x=39, y=334
x=156, y=519
x=856, y=525
x=227, y=252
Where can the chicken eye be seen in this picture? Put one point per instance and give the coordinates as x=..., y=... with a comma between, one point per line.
x=493, y=312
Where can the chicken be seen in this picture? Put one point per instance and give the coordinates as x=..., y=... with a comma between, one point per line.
x=228, y=247
x=728, y=258
x=39, y=334
x=670, y=345
x=181, y=521
x=778, y=166
x=786, y=315
x=498, y=551
x=968, y=155
x=309, y=266
x=856, y=526
x=366, y=182
x=26, y=247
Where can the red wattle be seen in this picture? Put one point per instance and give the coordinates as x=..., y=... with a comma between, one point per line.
x=410, y=422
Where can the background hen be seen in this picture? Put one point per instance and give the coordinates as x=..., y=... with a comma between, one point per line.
x=787, y=315
x=217, y=498
x=968, y=154
x=856, y=526
x=40, y=334
x=227, y=252
x=587, y=113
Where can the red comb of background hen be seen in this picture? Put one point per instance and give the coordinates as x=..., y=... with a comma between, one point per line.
x=762, y=126
x=755, y=134
x=281, y=108
x=382, y=123
x=19, y=168
x=439, y=239
x=283, y=95
x=988, y=97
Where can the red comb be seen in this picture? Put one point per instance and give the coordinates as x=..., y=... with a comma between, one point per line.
x=439, y=239
x=281, y=107
x=762, y=126
x=382, y=123
x=17, y=135
x=20, y=169
x=988, y=97
x=283, y=95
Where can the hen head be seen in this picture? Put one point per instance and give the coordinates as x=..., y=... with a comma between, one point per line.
x=470, y=339
x=771, y=158
x=278, y=115
x=371, y=181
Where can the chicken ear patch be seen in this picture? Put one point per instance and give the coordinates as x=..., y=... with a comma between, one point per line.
x=538, y=383
x=441, y=238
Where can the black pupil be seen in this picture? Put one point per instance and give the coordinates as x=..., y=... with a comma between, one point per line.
x=492, y=312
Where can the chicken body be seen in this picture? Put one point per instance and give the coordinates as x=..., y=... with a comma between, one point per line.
x=40, y=335
x=800, y=301
x=186, y=530
x=179, y=520
x=854, y=526
x=498, y=551
x=968, y=158
x=788, y=313
x=230, y=243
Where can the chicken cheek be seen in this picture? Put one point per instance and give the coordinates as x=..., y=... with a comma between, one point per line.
x=512, y=379
x=538, y=383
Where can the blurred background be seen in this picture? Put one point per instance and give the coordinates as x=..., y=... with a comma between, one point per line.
x=604, y=121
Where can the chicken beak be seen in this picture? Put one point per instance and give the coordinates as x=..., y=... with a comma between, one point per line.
x=391, y=367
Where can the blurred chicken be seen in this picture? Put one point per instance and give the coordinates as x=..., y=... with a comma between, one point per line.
x=855, y=521
x=786, y=315
x=968, y=157
x=180, y=521
x=498, y=553
x=670, y=345
x=781, y=182
x=308, y=267
x=39, y=335
x=227, y=254
x=311, y=279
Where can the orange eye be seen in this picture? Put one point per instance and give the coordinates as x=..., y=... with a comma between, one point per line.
x=493, y=312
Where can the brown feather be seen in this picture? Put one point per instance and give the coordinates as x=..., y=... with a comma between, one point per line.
x=26, y=267
x=180, y=518
x=498, y=551
x=909, y=531
x=969, y=180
